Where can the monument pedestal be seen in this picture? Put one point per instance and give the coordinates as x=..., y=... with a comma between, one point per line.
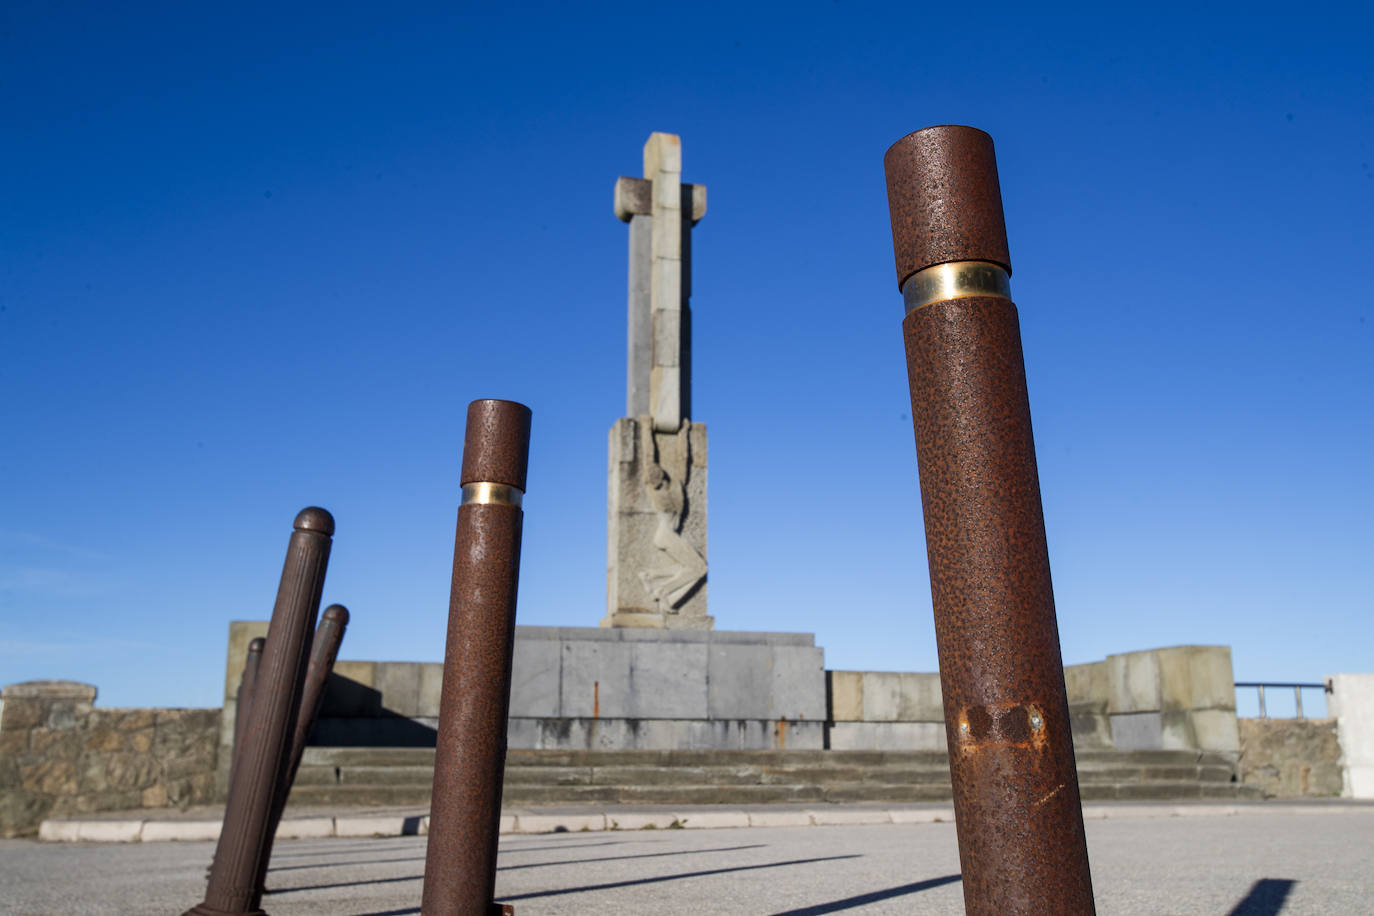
x=653, y=689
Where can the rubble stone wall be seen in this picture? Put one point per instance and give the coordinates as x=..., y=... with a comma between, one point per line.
x=1291, y=758
x=59, y=755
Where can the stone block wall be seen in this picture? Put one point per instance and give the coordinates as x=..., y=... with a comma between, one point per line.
x=587, y=688
x=60, y=755
x=1176, y=698
x=885, y=710
x=1290, y=758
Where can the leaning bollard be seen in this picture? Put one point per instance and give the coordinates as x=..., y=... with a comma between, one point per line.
x=323, y=652
x=460, y=863
x=276, y=699
x=1016, y=802
x=245, y=700
x=242, y=707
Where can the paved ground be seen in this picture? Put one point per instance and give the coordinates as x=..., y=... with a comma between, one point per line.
x=1245, y=865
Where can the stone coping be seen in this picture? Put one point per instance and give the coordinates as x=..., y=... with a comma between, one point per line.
x=203, y=824
x=653, y=634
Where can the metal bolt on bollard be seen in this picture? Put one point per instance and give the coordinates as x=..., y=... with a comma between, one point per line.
x=276, y=702
x=324, y=650
x=460, y=862
x=1016, y=799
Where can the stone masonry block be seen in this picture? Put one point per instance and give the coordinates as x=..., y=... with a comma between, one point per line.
x=846, y=695
x=798, y=689
x=1140, y=731
x=740, y=680
x=72, y=691
x=921, y=699
x=667, y=681
x=1215, y=729
x=1134, y=682
x=536, y=673
x=1350, y=701
x=431, y=687
x=364, y=673
x=1089, y=685
x=20, y=714
x=1196, y=677
x=595, y=679
x=399, y=683
x=882, y=696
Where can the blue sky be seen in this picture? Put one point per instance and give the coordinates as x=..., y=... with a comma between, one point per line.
x=255, y=259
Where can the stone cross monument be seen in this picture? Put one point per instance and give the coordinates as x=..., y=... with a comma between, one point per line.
x=656, y=487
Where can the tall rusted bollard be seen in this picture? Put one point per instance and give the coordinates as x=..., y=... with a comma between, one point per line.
x=323, y=651
x=1016, y=801
x=276, y=701
x=460, y=864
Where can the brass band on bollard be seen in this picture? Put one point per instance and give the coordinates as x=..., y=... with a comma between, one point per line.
x=956, y=280
x=485, y=493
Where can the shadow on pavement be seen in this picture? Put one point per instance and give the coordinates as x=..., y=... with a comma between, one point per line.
x=848, y=903
x=1266, y=898
x=640, y=855
x=655, y=880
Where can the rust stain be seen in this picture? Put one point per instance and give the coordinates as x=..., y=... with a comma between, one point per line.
x=596, y=699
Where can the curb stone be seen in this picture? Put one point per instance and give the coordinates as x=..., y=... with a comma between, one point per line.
x=153, y=830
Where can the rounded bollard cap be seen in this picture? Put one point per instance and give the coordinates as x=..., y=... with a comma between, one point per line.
x=497, y=446
x=944, y=199
x=336, y=613
x=256, y=645
x=313, y=518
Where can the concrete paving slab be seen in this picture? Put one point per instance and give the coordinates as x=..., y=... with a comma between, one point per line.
x=1276, y=862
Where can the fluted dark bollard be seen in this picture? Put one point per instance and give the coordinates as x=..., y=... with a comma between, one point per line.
x=276, y=701
x=245, y=699
x=1016, y=801
x=464, y=824
x=242, y=708
x=323, y=652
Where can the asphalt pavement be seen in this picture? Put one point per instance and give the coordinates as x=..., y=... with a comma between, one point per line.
x=1239, y=865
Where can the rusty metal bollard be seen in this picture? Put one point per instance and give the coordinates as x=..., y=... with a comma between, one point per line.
x=276, y=701
x=324, y=650
x=460, y=863
x=1016, y=801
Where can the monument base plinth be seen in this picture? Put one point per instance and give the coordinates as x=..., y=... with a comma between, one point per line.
x=652, y=621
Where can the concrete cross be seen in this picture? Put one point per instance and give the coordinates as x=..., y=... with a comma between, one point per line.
x=661, y=211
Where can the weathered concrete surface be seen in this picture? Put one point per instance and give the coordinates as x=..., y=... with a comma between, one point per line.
x=1350, y=701
x=1290, y=758
x=1309, y=864
x=60, y=755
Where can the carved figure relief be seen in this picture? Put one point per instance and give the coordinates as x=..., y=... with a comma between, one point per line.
x=679, y=567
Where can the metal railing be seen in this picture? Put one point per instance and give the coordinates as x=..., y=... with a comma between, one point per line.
x=1297, y=693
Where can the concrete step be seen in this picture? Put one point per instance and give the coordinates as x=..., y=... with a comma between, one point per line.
x=403, y=776
x=399, y=756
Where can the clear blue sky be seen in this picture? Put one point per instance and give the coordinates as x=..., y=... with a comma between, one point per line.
x=256, y=258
